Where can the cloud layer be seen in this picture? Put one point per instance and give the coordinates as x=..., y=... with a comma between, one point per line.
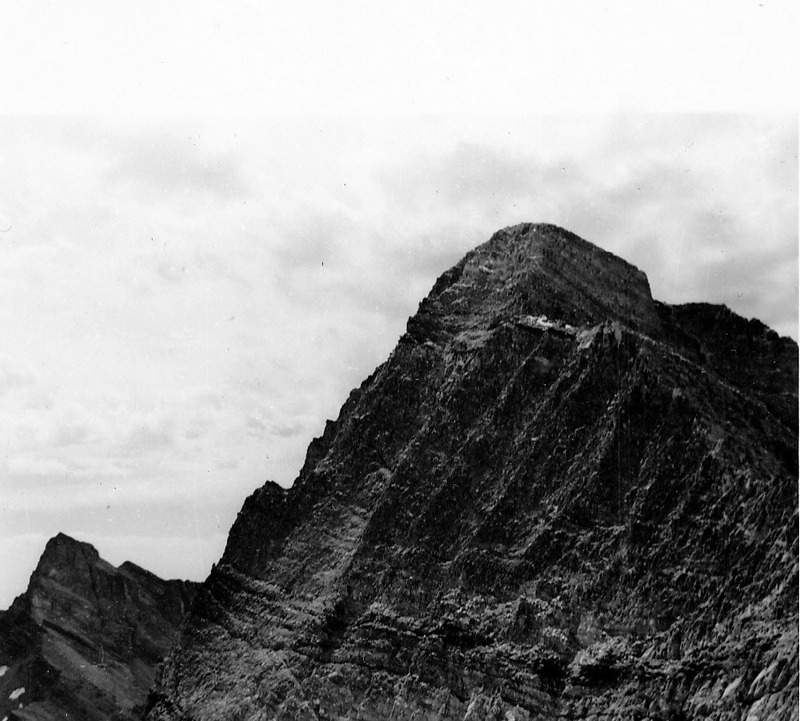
x=183, y=304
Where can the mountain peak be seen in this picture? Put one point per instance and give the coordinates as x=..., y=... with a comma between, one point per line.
x=62, y=540
x=512, y=518
x=85, y=638
x=63, y=555
x=538, y=270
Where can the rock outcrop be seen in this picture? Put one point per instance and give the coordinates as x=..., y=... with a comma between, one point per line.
x=558, y=498
x=84, y=640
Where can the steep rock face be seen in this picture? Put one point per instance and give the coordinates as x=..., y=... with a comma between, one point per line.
x=536, y=270
x=557, y=498
x=85, y=638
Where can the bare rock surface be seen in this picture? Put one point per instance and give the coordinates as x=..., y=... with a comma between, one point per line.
x=557, y=499
x=84, y=640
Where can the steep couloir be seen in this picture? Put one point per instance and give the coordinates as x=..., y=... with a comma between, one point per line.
x=558, y=498
x=84, y=640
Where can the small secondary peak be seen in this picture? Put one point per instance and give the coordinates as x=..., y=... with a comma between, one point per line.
x=63, y=550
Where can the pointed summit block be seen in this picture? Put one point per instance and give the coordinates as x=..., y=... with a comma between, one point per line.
x=537, y=270
x=64, y=554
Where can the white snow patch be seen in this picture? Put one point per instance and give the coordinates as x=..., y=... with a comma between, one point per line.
x=16, y=693
x=538, y=322
x=542, y=322
x=3, y=670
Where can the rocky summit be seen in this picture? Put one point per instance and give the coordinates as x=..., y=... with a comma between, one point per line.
x=84, y=640
x=557, y=499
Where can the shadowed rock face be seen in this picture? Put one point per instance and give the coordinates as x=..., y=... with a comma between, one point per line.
x=537, y=270
x=557, y=498
x=85, y=638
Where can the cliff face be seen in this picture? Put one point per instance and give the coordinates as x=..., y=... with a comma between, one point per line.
x=557, y=498
x=85, y=638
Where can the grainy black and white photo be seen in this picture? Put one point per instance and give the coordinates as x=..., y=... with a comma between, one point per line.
x=398, y=364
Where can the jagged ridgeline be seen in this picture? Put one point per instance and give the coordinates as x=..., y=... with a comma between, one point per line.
x=84, y=640
x=558, y=498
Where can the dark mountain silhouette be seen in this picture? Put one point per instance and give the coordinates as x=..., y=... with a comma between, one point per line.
x=84, y=640
x=558, y=498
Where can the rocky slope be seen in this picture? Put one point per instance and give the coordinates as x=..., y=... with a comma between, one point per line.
x=84, y=640
x=558, y=498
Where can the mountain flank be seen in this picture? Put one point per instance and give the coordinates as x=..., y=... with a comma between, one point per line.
x=557, y=499
x=84, y=640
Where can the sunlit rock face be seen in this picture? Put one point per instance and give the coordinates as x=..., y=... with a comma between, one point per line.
x=84, y=640
x=558, y=498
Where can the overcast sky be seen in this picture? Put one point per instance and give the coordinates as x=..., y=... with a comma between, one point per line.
x=186, y=297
